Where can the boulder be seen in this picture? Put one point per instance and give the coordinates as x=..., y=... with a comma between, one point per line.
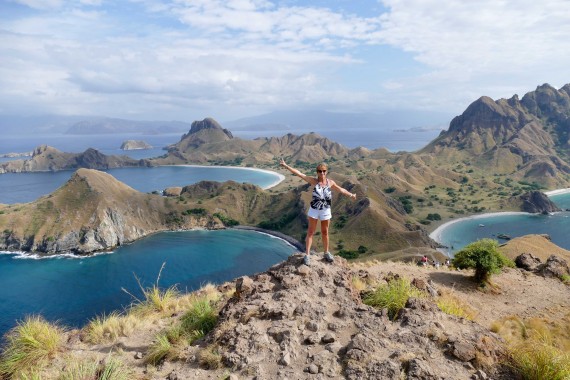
x=554, y=267
x=527, y=261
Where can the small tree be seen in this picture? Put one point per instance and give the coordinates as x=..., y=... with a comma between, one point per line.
x=483, y=256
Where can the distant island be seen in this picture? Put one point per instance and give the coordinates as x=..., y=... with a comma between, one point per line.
x=135, y=145
x=16, y=155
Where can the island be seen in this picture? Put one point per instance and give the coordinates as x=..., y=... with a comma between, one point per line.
x=135, y=145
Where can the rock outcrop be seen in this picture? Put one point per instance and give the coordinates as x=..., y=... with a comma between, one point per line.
x=536, y=202
x=304, y=322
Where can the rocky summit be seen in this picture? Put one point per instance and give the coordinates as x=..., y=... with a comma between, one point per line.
x=308, y=322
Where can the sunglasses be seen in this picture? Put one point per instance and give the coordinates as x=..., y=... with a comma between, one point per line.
x=321, y=171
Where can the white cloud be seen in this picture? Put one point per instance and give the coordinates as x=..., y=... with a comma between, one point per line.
x=41, y=4
x=240, y=55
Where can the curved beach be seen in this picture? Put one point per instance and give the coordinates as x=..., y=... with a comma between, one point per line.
x=557, y=192
x=438, y=232
x=280, y=177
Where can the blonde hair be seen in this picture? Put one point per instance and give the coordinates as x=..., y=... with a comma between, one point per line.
x=322, y=166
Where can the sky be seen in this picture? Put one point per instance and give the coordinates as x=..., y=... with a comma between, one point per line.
x=187, y=59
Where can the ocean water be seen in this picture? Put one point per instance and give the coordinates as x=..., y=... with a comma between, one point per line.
x=468, y=230
x=110, y=144
x=26, y=187
x=74, y=290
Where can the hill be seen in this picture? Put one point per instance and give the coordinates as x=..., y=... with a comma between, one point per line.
x=46, y=158
x=526, y=139
x=91, y=212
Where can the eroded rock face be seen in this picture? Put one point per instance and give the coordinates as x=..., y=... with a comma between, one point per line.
x=311, y=323
x=554, y=267
x=537, y=202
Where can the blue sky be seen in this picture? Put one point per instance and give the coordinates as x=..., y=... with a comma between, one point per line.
x=187, y=59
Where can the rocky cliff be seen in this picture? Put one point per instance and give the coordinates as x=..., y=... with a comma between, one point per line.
x=91, y=212
x=537, y=202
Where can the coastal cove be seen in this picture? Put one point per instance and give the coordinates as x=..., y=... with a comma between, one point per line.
x=26, y=187
x=74, y=290
x=456, y=234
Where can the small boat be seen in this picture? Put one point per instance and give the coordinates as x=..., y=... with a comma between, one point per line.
x=481, y=225
x=504, y=236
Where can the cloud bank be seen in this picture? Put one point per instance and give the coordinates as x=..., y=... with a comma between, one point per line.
x=186, y=59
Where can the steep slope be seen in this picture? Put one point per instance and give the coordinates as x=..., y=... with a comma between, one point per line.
x=208, y=142
x=46, y=158
x=375, y=221
x=527, y=139
x=91, y=212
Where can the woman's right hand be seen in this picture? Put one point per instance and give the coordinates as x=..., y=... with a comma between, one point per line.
x=282, y=163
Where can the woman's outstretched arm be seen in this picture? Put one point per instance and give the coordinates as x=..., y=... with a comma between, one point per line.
x=310, y=180
x=342, y=190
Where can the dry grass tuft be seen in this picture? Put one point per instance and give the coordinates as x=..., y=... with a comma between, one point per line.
x=29, y=347
x=210, y=358
x=109, y=328
x=450, y=304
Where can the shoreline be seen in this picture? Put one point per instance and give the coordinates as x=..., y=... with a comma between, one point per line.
x=288, y=239
x=438, y=232
x=557, y=192
x=35, y=255
x=280, y=177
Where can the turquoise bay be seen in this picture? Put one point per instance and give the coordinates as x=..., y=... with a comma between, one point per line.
x=26, y=187
x=74, y=290
x=458, y=234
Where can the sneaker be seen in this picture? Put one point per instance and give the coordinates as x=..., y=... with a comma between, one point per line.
x=329, y=257
x=306, y=260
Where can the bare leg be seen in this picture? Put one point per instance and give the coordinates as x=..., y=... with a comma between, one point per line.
x=325, y=233
x=310, y=233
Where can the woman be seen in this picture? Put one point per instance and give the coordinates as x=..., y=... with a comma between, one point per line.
x=320, y=206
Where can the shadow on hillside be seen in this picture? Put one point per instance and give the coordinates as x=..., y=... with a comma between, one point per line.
x=455, y=280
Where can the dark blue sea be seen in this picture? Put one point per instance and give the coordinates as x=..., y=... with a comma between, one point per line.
x=74, y=290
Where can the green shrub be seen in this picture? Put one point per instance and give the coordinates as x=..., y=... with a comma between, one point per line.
x=201, y=317
x=483, y=256
x=389, y=190
x=226, y=220
x=196, y=211
x=393, y=296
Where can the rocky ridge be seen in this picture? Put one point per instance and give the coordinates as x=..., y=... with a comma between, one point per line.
x=525, y=138
x=308, y=322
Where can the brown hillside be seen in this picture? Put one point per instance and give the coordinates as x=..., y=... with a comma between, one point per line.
x=91, y=212
x=46, y=158
x=538, y=245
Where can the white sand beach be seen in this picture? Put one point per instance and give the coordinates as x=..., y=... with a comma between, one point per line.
x=557, y=192
x=438, y=232
x=280, y=177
